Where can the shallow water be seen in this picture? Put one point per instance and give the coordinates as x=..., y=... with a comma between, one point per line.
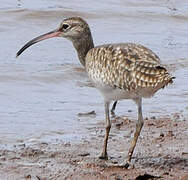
x=45, y=88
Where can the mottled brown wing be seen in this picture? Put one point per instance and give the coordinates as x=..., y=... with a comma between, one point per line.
x=131, y=51
x=147, y=75
x=137, y=52
x=124, y=66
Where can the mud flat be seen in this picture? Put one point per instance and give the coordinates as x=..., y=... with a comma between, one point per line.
x=160, y=152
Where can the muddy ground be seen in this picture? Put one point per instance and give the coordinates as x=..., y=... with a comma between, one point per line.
x=160, y=152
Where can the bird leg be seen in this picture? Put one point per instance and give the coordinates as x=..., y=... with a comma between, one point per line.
x=113, y=108
x=139, y=125
x=104, y=154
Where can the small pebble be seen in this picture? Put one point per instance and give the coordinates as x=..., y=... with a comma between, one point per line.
x=119, y=124
x=84, y=154
x=153, y=117
x=27, y=176
x=87, y=113
x=161, y=134
x=170, y=134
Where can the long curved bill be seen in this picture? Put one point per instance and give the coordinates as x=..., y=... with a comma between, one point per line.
x=55, y=33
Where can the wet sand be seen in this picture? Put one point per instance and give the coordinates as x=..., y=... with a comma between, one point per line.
x=45, y=89
x=160, y=152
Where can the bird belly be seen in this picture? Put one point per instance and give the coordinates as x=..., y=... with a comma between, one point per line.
x=114, y=94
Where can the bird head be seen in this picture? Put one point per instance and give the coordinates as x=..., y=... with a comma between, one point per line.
x=74, y=29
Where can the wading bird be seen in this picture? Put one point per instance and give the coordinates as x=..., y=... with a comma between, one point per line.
x=118, y=71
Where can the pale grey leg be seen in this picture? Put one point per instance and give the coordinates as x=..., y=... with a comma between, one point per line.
x=139, y=126
x=113, y=108
x=104, y=154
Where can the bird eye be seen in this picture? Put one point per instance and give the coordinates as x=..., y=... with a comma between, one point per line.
x=65, y=26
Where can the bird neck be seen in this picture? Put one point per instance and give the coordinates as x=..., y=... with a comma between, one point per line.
x=83, y=45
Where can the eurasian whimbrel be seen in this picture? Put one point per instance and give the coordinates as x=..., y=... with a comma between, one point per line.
x=118, y=71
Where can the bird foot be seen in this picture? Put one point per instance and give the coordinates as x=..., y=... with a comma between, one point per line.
x=124, y=165
x=103, y=156
x=127, y=165
x=114, y=116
